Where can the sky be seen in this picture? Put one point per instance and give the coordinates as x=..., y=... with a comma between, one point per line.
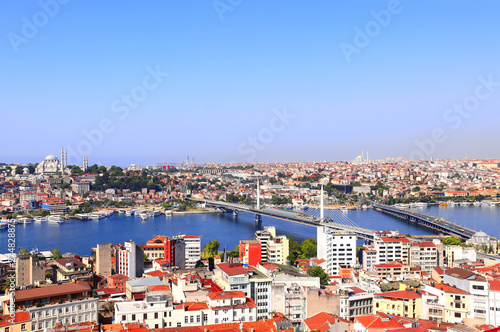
x=246, y=81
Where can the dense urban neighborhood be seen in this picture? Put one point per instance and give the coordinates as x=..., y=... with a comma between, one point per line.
x=334, y=282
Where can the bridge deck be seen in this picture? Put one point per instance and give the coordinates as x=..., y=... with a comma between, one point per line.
x=293, y=216
x=426, y=220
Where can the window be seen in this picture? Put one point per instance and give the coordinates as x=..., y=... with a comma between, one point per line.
x=156, y=315
x=179, y=324
x=186, y=319
x=133, y=316
x=458, y=315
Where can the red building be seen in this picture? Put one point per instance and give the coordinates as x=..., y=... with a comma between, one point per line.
x=250, y=252
x=118, y=281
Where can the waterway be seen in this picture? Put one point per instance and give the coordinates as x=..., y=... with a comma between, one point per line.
x=80, y=236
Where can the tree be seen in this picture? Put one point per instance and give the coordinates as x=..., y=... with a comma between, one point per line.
x=199, y=263
x=146, y=259
x=56, y=254
x=76, y=170
x=317, y=271
x=308, y=248
x=212, y=248
x=19, y=170
x=452, y=241
x=48, y=275
x=23, y=251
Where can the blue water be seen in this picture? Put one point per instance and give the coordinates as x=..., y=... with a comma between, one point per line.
x=80, y=236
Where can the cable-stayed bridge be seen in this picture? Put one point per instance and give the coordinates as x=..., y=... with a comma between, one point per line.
x=334, y=219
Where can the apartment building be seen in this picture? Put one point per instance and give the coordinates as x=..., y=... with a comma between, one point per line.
x=336, y=248
x=424, y=255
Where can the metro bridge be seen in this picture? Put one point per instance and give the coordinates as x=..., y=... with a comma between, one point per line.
x=335, y=219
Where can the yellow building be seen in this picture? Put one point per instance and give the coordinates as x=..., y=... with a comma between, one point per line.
x=457, y=306
x=19, y=322
x=402, y=303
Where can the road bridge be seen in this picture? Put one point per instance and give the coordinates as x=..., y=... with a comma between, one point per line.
x=426, y=220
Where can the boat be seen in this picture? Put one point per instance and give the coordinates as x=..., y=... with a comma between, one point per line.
x=145, y=215
x=476, y=203
x=443, y=204
x=168, y=213
x=451, y=203
x=26, y=221
x=421, y=204
x=96, y=216
x=3, y=225
x=55, y=219
x=39, y=219
x=156, y=213
x=364, y=207
x=129, y=213
x=464, y=203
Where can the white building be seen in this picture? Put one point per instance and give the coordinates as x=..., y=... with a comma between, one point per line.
x=192, y=248
x=392, y=249
x=493, y=303
x=129, y=260
x=472, y=283
x=424, y=255
x=336, y=248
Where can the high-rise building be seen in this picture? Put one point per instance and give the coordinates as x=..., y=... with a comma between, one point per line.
x=129, y=260
x=29, y=269
x=103, y=259
x=336, y=248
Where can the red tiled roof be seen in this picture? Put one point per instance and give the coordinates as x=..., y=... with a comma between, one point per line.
x=400, y=295
x=394, y=239
x=51, y=291
x=232, y=270
x=449, y=289
x=19, y=317
x=225, y=295
x=159, y=287
x=373, y=321
x=321, y=321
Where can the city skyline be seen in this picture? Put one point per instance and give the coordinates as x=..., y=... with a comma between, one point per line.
x=251, y=82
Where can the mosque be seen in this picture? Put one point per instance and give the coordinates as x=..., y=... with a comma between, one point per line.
x=51, y=165
x=360, y=160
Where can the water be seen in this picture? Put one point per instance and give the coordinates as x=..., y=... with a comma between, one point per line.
x=80, y=236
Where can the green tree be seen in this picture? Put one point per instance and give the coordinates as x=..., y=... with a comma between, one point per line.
x=308, y=248
x=452, y=241
x=56, y=254
x=212, y=248
x=76, y=170
x=48, y=275
x=199, y=263
x=317, y=271
x=23, y=251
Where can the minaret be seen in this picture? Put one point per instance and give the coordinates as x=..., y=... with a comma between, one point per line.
x=65, y=158
x=367, y=159
x=322, y=210
x=62, y=161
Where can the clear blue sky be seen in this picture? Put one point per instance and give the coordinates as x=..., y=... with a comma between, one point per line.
x=228, y=77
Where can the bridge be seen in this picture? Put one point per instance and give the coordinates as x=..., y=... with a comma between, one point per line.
x=428, y=221
x=336, y=220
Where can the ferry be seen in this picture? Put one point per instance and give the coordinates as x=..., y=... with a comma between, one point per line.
x=25, y=221
x=39, y=219
x=421, y=204
x=55, y=219
x=145, y=215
